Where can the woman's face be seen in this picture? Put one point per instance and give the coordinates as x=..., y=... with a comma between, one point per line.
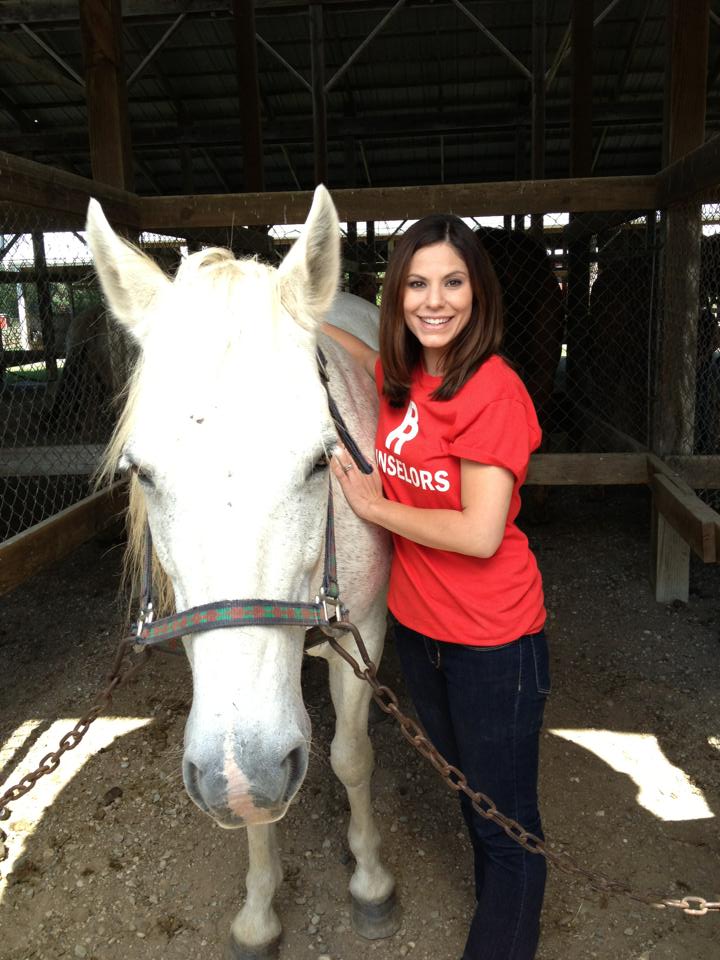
x=437, y=301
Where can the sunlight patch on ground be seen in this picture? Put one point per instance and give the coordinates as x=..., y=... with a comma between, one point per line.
x=27, y=812
x=663, y=789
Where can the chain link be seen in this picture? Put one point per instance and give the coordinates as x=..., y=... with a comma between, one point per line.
x=51, y=761
x=455, y=779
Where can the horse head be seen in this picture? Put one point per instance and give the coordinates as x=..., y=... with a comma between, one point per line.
x=226, y=432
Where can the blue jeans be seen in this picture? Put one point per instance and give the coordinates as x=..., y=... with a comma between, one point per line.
x=482, y=707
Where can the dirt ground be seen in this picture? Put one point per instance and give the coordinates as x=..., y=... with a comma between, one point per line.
x=121, y=865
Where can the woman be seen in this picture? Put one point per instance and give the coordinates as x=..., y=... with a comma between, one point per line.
x=455, y=433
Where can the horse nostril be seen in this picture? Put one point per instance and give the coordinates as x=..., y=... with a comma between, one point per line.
x=295, y=765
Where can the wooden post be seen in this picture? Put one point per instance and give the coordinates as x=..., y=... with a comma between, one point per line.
x=578, y=262
x=674, y=412
x=317, y=65
x=45, y=310
x=351, y=244
x=249, y=95
x=537, y=150
x=110, y=150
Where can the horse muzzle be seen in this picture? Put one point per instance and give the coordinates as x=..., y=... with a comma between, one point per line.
x=256, y=793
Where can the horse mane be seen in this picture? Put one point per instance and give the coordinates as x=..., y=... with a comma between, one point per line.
x=219, y=268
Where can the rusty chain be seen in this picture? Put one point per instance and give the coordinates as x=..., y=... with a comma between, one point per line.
x=455, y=779
x=73, y=737
x=387, y=701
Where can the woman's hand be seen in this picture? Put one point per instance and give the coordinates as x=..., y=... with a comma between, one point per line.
x=362, y=491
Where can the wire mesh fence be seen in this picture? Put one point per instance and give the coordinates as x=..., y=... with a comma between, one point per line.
x=585, y=300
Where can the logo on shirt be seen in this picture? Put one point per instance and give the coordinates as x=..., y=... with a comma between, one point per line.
x=407, y=430
x=393, y=466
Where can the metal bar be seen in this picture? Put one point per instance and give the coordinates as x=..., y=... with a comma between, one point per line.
x=370, y=37
x=283, y=61
x=603, y=13
x=216, y=170
x=5, y=250
x=564, y=48
x=290, y=166
x=56, y=56
x=365, y=163
x=493, y=39
x=146, y=60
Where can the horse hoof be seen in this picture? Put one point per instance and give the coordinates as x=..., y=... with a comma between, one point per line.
x=240, y=951
x=375, y=921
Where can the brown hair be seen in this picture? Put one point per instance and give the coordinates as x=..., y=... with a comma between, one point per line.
x=400, y=350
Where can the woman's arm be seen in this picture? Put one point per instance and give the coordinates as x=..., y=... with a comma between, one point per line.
x=357, y=348
x=476, y=530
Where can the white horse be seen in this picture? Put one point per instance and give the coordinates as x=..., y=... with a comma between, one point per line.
x=227, y=432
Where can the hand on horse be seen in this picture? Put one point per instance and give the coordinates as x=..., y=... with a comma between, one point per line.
x=362, y=491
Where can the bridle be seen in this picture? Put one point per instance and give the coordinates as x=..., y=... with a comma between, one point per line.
x=325, y=612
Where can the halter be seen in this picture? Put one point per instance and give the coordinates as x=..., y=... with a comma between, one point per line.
x=325, y=611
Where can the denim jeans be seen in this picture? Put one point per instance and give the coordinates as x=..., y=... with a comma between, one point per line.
x=482, y=707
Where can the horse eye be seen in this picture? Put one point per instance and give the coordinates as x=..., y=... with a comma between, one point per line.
x=320, y=465
x=144, y=475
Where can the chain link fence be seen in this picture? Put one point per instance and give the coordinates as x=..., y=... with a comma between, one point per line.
x=584, y=302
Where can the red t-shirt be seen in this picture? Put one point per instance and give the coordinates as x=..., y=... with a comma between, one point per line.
x=445, y=595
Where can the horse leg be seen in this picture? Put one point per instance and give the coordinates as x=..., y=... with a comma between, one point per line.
x=255, y=932
x=375, y=912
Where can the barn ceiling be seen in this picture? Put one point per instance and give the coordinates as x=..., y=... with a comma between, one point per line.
x=440, y=94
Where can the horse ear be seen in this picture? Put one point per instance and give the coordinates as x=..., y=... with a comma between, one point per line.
x=311, y=270
x=130, y=281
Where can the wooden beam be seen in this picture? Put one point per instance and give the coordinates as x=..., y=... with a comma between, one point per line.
x=401, y=203
x=43, y=545
x=688, y=26
x=249, y=94
x=65, y=460
x=581, y=93
x=587, y=469
x=110, y=151
x=319, y=102
x=59, y=193
x=699, y=472
x=691, y=175
x=693, y=520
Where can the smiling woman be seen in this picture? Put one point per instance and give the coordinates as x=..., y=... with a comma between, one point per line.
x=454, y=437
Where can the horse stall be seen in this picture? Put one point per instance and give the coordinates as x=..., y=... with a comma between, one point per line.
x=107, y=858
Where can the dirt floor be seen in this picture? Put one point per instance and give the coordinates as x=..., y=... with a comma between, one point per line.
x=121, y=865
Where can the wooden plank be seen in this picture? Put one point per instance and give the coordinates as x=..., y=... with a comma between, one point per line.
x=57, y=192
x=56, y=461
x=670, y=563
x=17, y=358
x=589, y=469
x=692, y=519
x=401, y=203
x=44, y=544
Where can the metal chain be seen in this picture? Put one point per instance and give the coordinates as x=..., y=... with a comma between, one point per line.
x=72, y=738
x=484, y=805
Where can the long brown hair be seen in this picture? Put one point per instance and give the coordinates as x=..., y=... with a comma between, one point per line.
x=400, y=350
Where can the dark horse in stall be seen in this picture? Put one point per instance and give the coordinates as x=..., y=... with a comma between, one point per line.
x=534, y=321
x=534, y=311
